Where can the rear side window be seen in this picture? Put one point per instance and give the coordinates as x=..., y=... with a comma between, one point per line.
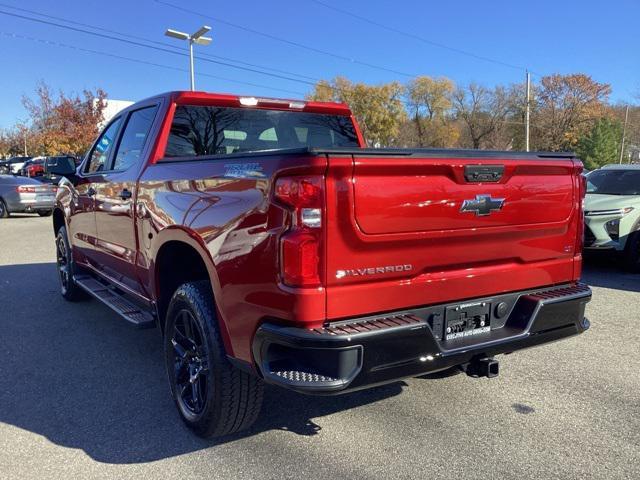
x=52, y=162
x=202, y=130
x=134, y=137
x=103, y=148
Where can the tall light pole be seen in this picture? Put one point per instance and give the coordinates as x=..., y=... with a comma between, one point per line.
x=196, y=37
x=624, y=131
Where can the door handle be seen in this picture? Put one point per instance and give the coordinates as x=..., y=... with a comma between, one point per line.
x=91, y=192
x=125, y=194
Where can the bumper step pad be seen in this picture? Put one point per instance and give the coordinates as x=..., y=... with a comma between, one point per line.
x=383, y=323
x=303, y=377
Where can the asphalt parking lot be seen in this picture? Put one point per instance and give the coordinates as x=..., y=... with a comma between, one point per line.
x=83, y=395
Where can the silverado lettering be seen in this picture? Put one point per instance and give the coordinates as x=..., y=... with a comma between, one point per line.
x=373, y=270
x=227, y=221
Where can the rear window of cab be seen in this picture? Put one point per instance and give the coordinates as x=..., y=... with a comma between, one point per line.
x=205, y=130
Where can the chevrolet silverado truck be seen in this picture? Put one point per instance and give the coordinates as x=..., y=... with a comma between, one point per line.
x=268, y=244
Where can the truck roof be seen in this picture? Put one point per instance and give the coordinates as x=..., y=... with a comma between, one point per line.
x=187, y=97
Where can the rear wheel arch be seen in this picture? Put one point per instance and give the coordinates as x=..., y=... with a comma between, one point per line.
x=178, y=261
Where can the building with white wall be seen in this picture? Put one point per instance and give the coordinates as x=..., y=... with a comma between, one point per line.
x=111, y=109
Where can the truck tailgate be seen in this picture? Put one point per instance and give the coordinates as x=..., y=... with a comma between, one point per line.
x=409, y=230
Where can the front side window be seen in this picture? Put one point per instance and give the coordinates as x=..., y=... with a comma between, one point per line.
x=102, y=150
x=134, y=137
x=202, y=130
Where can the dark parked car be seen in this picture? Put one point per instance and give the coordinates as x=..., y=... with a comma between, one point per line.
x=20, y=194
x=55, y=165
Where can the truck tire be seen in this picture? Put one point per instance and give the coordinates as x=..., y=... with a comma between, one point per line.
x=213, y=397
x=64, y=263
x=4, y=211
x=631, y=256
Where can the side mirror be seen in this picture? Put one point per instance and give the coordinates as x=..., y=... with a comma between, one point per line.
x=62, y=166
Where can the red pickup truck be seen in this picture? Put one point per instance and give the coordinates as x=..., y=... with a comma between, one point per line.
x=269, y=245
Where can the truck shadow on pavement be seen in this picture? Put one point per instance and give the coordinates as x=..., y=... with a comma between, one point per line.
x=79, y=376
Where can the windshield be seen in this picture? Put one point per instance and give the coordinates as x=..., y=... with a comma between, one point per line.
x=614, y=182
x=202, y=130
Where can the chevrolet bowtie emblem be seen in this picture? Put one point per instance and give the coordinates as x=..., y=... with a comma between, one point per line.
x=482, y=205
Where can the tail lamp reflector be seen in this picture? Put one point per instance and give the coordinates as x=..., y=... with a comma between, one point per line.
x=301, y=245
x=300, y=259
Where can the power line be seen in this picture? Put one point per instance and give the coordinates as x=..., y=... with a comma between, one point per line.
x=161, y=49
x=136, y=60
x=418, y=37
x=163, y=44
x=286, y=41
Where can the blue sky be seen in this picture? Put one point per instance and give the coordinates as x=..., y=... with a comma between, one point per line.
x=594, y=37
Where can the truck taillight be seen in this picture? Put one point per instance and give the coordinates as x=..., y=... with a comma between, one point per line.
x=582, y=192
x=301, y=245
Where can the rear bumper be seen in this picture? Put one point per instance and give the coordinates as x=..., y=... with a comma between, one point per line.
x=18, y=205
x=364, y=352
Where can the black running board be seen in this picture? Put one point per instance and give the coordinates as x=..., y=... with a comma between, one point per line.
x=115, y=300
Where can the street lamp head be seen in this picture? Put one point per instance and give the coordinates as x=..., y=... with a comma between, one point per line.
x=204, y=29
x=198, y=38
x=202, y=40
x=176, y=34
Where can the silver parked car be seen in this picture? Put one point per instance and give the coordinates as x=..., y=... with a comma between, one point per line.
x=20, y=194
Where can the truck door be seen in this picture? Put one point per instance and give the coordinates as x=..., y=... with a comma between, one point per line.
x=82, y=222
x=116, y=246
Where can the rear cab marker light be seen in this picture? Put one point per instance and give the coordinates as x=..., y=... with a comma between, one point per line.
x=253, y=101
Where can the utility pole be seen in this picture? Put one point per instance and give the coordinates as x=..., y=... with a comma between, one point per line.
x=196, y=37
x=528, y=112
x=24, y=137
x=624, y=131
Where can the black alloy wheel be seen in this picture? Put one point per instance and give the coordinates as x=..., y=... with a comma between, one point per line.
x=62, y=260
x=65, y=266
x=191, y=362
x=213, y=397
x=4, y=211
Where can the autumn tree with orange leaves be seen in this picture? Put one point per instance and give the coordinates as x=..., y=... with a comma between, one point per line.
x=566, y=108
x=379, y=108
x=64, y=124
